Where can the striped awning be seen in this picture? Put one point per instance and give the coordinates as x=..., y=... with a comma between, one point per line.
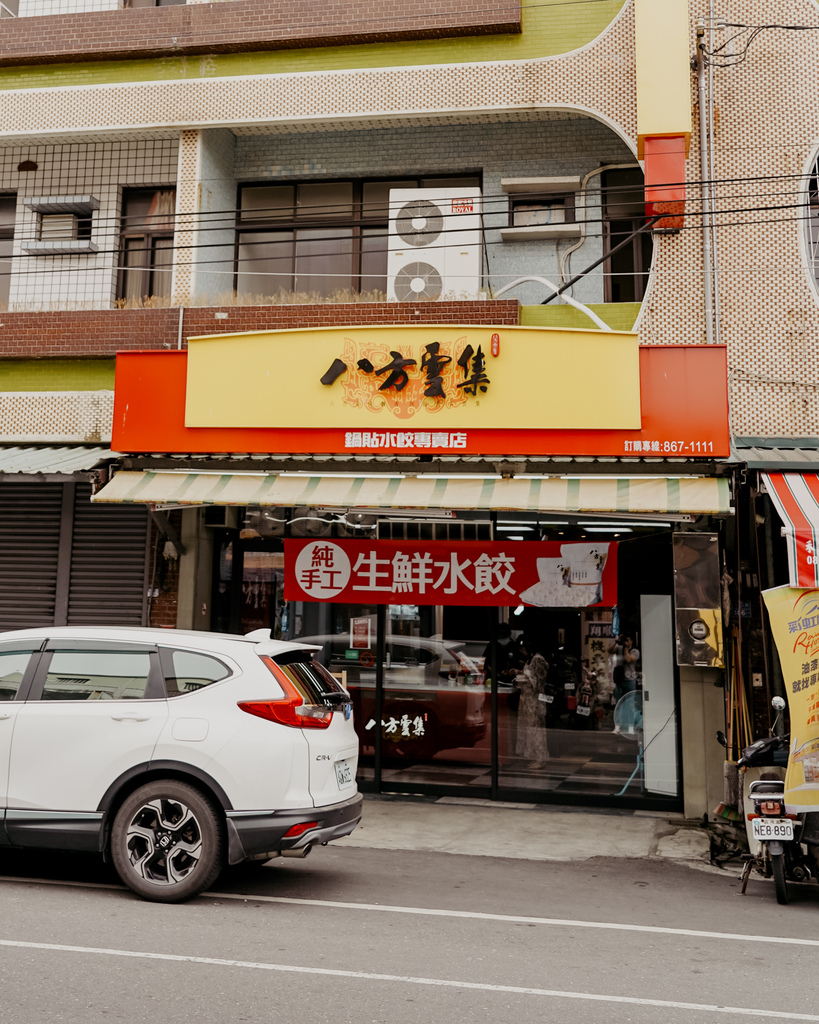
x=686, y=495
x=796, y=498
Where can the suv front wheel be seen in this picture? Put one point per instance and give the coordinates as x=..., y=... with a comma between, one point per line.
x=166, y=842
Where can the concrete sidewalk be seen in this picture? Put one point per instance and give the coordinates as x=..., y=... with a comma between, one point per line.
x=483, y=828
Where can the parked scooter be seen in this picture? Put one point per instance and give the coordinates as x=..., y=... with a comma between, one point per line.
x=781, y=844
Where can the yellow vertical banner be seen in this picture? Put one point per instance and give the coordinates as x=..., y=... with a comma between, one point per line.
x=794, y=616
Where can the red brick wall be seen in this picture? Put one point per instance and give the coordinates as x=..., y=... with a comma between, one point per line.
x=106, y=331
x=245, y=25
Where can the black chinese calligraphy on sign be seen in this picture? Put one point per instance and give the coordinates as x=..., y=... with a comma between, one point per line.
x=433, y=363
x=398, y=377
x=477, y=365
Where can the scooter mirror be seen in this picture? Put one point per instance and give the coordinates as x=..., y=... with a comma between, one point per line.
x=778, y=703
x=721, y=739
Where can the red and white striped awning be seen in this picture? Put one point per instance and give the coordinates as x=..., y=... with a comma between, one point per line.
x=796, y=498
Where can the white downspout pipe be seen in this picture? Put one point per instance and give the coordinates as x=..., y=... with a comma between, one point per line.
x=705, y=189
x=572, y=302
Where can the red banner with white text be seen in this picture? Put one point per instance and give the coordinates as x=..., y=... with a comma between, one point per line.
x=542, y=574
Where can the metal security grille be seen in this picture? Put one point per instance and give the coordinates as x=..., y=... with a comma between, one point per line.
x=108, y=563
x=29, y=553
x=399, y=529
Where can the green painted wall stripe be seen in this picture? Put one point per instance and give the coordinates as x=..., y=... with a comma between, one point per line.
x=550, y=27
x=622, y=494
x=573, y=495
x=57, y=375
x=620, y=316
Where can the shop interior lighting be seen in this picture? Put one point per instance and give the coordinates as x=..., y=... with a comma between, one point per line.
x=630, y=522
x=608, y=529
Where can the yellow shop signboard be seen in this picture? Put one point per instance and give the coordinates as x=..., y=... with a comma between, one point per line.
x=794, y=616
x=428, y=377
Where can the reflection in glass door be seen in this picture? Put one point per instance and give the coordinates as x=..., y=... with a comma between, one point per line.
x=434, y=722
x=437, y=707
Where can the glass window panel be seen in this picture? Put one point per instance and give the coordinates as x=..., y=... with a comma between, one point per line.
x=13, y=665
x=192, y=671
x=325, y=199
x=374, y=259
x=376, y=197
x=5, y=268
x=625, y=196
x=149, y=208
x=274, y=202
x=162, y=268
x=8, y=208
x=265, y=264
x=135, y=277
x=324, y=260
x=97, y=675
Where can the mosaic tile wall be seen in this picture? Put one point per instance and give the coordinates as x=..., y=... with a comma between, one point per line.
x=38, y=8
x=551, y=146
x=97, y=169
x=767, y=136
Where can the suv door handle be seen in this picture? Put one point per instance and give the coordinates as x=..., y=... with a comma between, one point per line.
x=5, y=715
x=131, y=718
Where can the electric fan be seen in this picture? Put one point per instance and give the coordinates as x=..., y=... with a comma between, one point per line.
x=628, y=722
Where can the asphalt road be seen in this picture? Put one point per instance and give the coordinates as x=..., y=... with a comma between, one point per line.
x=359, y=936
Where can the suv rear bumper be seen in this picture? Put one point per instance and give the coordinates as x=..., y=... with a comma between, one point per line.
x=252, y=834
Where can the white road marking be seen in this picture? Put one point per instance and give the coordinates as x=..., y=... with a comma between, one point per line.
x=409, y=980
x=473, y=915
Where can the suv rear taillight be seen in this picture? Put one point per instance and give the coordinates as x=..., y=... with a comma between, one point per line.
x=289, y=710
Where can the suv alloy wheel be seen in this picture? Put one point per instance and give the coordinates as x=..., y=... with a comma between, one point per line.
x=167, y=842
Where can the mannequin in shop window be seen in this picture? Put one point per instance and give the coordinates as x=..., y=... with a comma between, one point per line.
x=531, y=740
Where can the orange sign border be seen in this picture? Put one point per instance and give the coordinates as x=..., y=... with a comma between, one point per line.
x=683, y=393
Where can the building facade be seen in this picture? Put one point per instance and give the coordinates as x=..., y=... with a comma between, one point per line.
x=295, y=191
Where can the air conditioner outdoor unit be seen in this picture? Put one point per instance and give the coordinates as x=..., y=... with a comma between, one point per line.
x=434, y=248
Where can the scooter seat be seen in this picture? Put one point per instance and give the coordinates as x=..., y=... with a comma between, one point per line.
x=766, y=787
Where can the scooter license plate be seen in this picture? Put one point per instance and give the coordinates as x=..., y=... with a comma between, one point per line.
x=772, y=828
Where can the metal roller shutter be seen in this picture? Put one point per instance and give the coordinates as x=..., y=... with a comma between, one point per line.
x=29, y=553
x=108, y=583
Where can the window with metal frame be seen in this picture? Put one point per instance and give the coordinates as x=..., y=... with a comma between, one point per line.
x=13, y=664
x=146, y=247
x=97, y=673
x=8, y=209
x=188, y=671
x=626, y=271
x=318, y=239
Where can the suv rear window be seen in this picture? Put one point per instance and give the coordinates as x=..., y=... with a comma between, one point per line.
x=313, y=681
x=186, y=671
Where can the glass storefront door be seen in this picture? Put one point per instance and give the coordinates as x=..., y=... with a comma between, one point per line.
x=567, y=719
x=434, y=718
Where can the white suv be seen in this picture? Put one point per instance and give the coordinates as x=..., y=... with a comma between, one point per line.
x=173, y=752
